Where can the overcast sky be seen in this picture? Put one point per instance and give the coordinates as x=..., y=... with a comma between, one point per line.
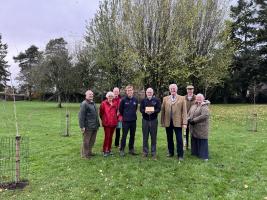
x=27, y=22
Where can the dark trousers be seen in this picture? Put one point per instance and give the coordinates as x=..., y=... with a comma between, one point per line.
x=149, y=127
x=89, y=137
x=187, y=136
x=179, y=140
x=199, y=147
x=117, y=137
x=126, y=126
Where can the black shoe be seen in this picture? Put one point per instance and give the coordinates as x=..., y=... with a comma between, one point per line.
x=170, y=155
x=133, y=153
x=144, y=155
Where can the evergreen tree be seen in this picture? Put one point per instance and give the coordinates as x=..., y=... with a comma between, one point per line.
x=3, y=64
x=28, y=60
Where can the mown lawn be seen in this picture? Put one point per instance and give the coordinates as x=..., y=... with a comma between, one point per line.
x=237, y=168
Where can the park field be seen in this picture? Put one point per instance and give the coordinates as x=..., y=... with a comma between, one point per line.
x=237, y=168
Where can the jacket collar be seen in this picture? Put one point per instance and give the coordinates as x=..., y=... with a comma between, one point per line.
x=193, y=97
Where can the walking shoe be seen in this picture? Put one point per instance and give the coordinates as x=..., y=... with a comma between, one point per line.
x=133, y=153
x=122, y=153
x=169, y=155
x=86, y=157
x=110, y=153
x=106, y=154
x=180, y=158
x=92, y=154
x=154, y=157
x=144, y=155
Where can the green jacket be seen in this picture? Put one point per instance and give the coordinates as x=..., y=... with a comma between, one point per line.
x=200, y=115
x=88, y=116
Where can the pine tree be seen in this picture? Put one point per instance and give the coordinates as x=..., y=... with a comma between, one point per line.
x=3, y=64
x=244, y=33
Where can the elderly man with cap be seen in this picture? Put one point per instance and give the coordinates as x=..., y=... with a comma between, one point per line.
x=174, y=118
x=150, y=107
x=190, y=99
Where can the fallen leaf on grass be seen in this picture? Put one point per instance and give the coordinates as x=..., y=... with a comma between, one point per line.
x=245, y=186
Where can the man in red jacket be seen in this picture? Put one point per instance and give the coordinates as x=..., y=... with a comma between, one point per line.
x=108, y=114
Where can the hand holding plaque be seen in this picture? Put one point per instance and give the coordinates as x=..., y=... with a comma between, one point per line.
x=149, y=110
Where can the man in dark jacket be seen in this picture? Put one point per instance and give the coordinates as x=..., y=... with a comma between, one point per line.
x=89, y=124
x=150, y=107
x=128, y=108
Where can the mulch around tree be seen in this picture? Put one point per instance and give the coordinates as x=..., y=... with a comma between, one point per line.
x=13, y=185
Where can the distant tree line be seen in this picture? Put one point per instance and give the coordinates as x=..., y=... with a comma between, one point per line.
x=152, y=43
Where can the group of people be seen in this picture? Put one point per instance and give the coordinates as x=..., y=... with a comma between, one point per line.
x=178, y=112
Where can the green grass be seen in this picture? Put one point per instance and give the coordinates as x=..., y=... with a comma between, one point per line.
x=238, y=158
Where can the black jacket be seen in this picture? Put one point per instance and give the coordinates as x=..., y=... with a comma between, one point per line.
x=128, y=108
x=88, y=116
x=154, y=102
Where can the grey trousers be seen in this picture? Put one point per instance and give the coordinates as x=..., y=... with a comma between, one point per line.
x=89, y=137
x=150, y=127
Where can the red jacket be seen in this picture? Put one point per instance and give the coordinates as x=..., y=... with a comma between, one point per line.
x=108, y=114
x=117, y=102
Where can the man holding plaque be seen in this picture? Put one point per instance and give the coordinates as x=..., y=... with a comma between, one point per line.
x=150, y=107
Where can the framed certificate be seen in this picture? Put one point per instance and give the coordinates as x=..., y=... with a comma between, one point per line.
x=150, y=109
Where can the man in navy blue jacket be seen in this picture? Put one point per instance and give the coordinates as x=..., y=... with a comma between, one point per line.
x=128, y=108
x=150, y=107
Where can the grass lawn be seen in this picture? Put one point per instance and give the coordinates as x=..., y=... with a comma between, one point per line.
x=237, y=168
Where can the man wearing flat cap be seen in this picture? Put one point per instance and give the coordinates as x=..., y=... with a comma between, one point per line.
x=190, y=99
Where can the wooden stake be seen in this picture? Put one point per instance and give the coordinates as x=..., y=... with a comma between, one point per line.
x=18, y=159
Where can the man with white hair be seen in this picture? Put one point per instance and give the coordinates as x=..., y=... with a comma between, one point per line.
x=150, y=107
x=117, y=100
x=174, y=118
x=89, y=124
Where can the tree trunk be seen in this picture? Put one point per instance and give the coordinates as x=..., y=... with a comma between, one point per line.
x=59, y=101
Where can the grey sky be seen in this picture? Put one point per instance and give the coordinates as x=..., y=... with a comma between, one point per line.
x=27, y=22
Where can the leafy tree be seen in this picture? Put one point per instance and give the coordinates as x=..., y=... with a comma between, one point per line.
x=153, y=43
x=55, y=71
x=107, y=44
